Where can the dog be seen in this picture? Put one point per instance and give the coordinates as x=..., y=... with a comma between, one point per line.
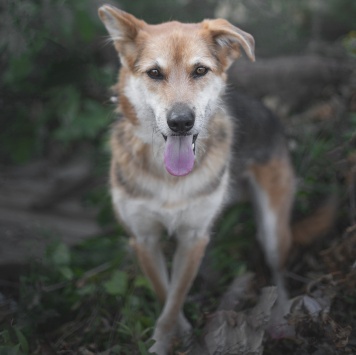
x=183, y=150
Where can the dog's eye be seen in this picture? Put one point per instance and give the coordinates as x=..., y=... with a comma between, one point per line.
x=155, y=74
x=200, y=71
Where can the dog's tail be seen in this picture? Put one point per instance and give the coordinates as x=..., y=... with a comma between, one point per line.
x=318, y=224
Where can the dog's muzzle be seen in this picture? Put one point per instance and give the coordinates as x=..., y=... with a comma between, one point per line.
x=179, y=154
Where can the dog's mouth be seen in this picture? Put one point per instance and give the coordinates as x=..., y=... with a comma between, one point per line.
x=179, y=154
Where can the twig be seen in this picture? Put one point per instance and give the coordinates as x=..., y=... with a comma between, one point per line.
x=95, y=271
x=80, y=282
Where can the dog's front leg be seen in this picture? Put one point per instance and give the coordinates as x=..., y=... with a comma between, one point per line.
x=152, y=263
x=187, y=259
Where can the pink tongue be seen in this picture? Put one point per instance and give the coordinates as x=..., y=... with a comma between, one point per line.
x=179, y=155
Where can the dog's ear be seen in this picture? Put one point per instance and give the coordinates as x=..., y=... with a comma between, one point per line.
x=229, y=39
x=123, y=29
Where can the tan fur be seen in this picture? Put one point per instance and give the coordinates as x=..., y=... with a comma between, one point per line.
x=183, y=277
x=149, y=268
x=312, y=227
x=146, y=197
x=276, y=177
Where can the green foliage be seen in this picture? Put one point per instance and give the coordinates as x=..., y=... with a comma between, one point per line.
x=349, y=42
x=117, y=284
x=95, y=287
x=280, y=27
x=316, y=172
x=351, y=131
x=59, y=257
x=81, y=118
x=13, y=342
x=56, y=70
x=343, y=11
x=234, y=232
x=53, y=84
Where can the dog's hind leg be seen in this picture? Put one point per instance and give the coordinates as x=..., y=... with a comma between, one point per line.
x=273, y=187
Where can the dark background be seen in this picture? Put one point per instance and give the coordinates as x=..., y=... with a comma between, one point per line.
x=56, y=223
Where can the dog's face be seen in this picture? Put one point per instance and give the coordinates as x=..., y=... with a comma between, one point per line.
x=174, y=75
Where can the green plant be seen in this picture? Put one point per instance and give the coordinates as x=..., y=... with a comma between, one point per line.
x=13, y=342
x=53, y=85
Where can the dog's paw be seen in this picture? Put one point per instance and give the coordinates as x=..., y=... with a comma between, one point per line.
x=160, y=347
x=165, y=332
x=162, y=337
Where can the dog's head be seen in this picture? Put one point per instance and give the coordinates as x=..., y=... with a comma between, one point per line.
x=174, y=75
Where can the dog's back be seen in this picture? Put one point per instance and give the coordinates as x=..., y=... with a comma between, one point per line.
x=258, y=133
x=258, y=138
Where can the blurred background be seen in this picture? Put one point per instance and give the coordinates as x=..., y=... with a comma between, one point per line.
x=61, y=250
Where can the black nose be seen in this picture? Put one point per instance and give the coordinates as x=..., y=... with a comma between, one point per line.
x=180, y=118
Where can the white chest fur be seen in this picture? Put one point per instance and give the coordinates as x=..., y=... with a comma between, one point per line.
x=173, y=207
